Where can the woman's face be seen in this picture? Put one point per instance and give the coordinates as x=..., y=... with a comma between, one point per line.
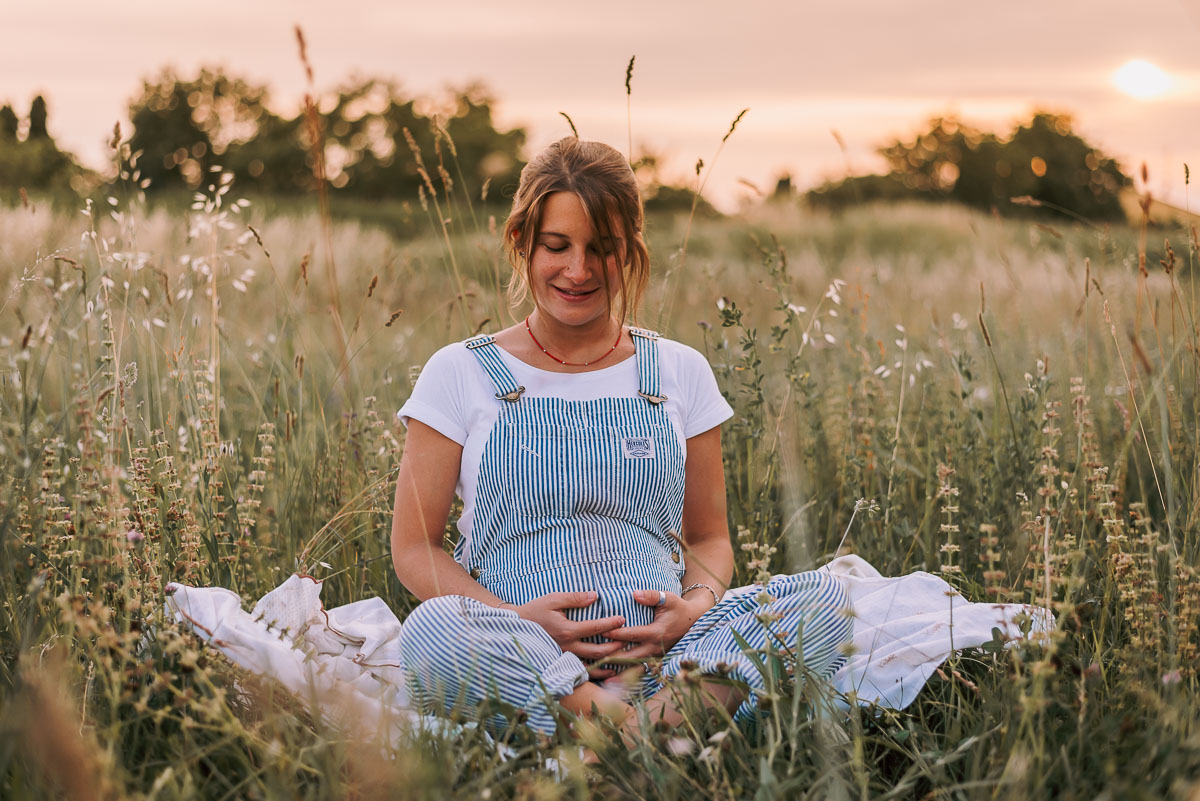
x=571, y=280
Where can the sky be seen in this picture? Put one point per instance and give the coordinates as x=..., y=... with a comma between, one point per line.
x=868, y=70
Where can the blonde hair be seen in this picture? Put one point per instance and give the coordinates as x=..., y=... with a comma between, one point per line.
x=604, y=182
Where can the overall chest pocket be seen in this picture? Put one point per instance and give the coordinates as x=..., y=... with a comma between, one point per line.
x=623, y=472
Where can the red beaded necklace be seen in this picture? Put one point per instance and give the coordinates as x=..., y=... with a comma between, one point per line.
x=567, y=363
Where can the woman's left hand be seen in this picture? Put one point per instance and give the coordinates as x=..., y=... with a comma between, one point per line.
x=671, y=621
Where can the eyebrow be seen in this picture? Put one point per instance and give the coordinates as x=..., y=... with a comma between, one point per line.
x=564, y=236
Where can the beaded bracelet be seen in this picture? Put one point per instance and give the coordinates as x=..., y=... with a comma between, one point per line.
x=696, y=586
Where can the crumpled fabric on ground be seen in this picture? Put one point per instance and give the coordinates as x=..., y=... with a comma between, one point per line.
x=347, y=659
x=344, y=660
x=906, y=627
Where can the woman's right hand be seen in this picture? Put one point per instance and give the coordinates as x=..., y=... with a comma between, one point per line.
x=546, y=611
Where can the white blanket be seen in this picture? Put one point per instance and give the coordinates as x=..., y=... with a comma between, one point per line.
x=906, y=627
x=347, y=660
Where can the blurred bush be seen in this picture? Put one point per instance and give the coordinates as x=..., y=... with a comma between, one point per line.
x=365, y=131
x=33, y=161
x=1043, y=160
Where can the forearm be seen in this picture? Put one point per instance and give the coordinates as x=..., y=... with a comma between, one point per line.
x=428, y=572
x=710, y=562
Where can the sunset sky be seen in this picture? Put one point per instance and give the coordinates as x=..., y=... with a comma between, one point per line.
x=867, y=69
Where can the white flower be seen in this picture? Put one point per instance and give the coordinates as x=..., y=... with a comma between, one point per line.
x=680, y=746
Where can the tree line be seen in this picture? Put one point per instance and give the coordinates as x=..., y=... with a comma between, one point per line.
x=370, y=141
x=1041, y=167
x=367, y=138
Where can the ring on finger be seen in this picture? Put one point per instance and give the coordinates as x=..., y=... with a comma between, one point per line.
x=662, y=598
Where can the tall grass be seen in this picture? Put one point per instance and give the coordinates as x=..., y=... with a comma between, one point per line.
x=1010, y=405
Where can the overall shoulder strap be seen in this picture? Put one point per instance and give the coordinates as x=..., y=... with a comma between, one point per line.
x=645, y=345
x=485, y=351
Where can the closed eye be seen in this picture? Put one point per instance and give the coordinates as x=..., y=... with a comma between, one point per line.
x=559, y=249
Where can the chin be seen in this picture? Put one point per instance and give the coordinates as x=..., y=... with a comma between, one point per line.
x=575, y=314
x=572, y=317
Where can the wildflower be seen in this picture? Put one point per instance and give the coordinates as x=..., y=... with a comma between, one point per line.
x=680, y=746
x=134, y=536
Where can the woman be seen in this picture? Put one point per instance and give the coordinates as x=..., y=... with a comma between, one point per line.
x=581, y=447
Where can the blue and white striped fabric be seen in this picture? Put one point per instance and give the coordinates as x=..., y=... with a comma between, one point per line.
x=805, y=617
x=587, y=496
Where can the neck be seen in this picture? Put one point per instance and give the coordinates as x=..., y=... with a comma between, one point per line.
x=574, y=343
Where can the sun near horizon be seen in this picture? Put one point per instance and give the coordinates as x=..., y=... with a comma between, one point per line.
x=1141, y=79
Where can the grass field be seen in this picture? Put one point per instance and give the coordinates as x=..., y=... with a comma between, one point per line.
x=193, y=398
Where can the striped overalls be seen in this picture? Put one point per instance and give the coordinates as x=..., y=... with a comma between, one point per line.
x=586, y=495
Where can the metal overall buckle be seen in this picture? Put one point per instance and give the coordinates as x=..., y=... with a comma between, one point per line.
x=511, y=397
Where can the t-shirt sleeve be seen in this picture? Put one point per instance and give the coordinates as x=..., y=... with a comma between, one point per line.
x=437, y=399
x=706, y=406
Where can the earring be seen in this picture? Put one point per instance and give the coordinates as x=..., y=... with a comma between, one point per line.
x=521, y=253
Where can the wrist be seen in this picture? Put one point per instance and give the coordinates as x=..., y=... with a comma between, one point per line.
x=700, y=595
x=697, y=605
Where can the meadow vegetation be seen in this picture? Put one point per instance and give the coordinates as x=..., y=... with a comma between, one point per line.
x=209, y=398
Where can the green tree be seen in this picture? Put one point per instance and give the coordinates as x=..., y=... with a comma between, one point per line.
x=931, y=161
x=1050, y=163
x=372, y=124
x=8, y=124
x=37, y=164
x=485, y=153
x=37, y=119
x=183, y=127
x=1042, y=159
x=365, y=129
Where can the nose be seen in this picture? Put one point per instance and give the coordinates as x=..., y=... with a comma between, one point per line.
x=579, y=266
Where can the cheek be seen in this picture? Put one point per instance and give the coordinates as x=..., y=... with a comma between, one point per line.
x=612, y=270
x=541, y=267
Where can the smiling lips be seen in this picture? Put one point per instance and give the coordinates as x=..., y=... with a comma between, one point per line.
x=574, y=295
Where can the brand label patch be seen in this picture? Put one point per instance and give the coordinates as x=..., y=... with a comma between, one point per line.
x=638, y=447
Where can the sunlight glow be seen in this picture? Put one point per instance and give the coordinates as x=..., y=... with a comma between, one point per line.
x=1141, y=79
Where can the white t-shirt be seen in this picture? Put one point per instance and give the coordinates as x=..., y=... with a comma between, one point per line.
x=455, y=397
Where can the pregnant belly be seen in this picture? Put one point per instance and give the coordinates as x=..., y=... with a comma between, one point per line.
x=615, y=592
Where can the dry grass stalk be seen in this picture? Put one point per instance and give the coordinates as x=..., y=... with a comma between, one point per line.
x=53, y=739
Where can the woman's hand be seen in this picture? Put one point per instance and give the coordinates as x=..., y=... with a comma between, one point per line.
x=547, y=612
x=671, y=621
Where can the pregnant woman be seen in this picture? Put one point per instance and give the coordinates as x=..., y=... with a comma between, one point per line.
x=594, y=555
